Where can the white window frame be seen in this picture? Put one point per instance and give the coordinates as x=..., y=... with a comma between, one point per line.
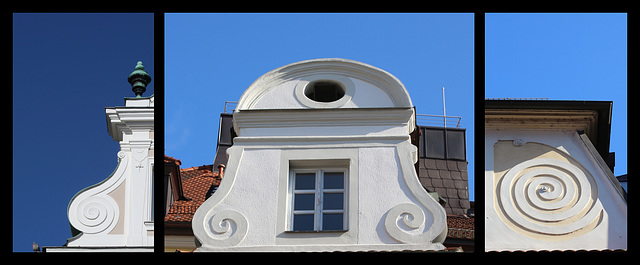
x=309, y=158
x=319, y=192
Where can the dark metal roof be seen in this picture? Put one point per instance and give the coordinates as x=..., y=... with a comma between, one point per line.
x=225, y=138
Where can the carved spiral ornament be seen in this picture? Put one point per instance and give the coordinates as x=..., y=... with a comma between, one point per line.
x=227, y=227
x=412, y=217
x=96, y=214
x=92, y=210
x=549, y=196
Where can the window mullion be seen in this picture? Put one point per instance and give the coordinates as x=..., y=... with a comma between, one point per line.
x=318, y=214
x=318, y=208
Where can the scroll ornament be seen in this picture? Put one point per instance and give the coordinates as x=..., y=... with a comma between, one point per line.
x=226, y=228
x=548, y=196
x=96, y=214
x=92, y=211
x=412, y=217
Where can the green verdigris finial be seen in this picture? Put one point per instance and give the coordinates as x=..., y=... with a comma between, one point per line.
x=139, y=79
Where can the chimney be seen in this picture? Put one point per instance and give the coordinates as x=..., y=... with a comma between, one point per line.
x=221, y=170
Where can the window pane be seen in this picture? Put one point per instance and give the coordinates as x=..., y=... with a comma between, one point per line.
x=456, y=145
x=226, y=127
x=303, y=222
x=332, y=221
x=304, y=202
x=435, y=143
x=334, y=180
x=333, y=201
x=305, y=181
x=422, y=149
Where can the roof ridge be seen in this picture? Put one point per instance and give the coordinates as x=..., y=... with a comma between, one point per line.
x=172, y=159
x=203, y=167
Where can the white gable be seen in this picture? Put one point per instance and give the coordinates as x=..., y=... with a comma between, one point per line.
x=342, y=129
x=546, y=186
x=117, y=213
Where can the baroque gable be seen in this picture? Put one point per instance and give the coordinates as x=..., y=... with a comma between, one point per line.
x=322, y=161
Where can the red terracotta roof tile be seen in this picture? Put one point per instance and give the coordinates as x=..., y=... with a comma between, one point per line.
x=168, y=159
x=196, y=181
x=460, y=226
x=461, y=221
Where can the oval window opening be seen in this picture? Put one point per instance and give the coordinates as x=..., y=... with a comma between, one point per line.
x=324, y=91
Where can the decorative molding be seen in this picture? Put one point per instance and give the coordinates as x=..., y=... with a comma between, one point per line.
x=518, y=142
x=344, y=81
x=201, y=223
x=226, y=228
x=541, y=119
x=411, y=216
x=437, y=232
x=327, y=66
x=549, y=197
x=91, y=210
x=323, y=117
x=347, y=158
x=139, y=152
x=379, y=120
x=96, y=214
x=127, y=119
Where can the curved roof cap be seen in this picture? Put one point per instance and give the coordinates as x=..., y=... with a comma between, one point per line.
x=361, y=86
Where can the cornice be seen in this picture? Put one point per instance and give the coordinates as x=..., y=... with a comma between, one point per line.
x=542, y=119
x=120, y=119
x=322, y=117
x=593, y=117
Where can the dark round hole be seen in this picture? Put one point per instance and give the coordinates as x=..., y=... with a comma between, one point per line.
x=324, y=91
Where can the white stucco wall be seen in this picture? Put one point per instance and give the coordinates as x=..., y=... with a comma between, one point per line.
x=255, y=195
x=382, y=182
x=256, y=191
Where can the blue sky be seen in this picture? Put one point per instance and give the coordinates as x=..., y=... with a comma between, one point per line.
x=213, y=58
x=66, y=69
x=561, y=57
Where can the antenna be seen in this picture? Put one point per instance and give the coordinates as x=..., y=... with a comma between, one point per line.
x=444, y=109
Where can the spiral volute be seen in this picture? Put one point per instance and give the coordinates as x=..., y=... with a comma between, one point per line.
x=549, y=196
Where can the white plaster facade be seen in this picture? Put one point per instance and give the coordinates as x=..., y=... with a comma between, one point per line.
x=117, y=213
x=545, y=188
x=363, y=135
